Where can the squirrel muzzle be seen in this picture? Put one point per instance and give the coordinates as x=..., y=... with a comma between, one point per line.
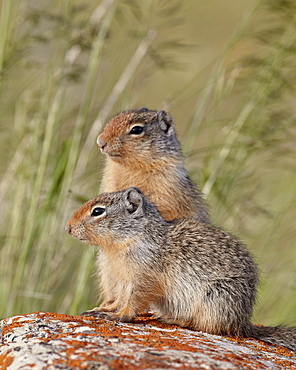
x=101, y=143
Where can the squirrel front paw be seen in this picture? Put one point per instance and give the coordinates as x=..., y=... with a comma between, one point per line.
x=94, y=312
x=121, y=318
x=101, y=310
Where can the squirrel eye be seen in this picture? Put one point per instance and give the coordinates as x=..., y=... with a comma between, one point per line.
x=136, y=130
x=98, y=211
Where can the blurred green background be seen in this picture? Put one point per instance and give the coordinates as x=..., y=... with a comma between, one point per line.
x=224, y=69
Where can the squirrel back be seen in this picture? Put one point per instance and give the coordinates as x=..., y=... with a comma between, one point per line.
x=143, y=151
x=191, y=273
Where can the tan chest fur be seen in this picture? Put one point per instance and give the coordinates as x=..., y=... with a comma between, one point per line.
x=160, y=185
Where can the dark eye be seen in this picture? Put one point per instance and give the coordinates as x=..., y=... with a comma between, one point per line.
x=98, y=211
x=136, y=130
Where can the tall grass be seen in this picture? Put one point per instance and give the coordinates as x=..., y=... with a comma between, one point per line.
x=66, y=68
x=255, y=150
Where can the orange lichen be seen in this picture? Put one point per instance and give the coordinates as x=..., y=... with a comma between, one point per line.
x=5, y=361
x=153, y=341
x=285, y=363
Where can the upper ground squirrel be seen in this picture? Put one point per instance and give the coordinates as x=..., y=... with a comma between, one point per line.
x=143, y=151
x=193, y=274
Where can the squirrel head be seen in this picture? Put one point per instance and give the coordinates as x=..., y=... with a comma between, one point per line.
x=113, y=219
x=139, y=138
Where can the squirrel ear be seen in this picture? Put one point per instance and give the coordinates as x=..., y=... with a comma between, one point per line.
x=133, y=199
x=165, y=120
x=142, y=109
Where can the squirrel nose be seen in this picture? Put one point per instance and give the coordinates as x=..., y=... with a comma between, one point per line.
x=68, y=229
x=101, y=142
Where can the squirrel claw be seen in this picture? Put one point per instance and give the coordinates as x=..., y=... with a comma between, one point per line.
x=111, y=316
x=123, y=318
x=94, y=313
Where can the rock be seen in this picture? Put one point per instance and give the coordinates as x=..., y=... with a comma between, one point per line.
x=43, y=340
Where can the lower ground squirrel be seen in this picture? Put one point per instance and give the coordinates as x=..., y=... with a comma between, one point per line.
x=191, y=273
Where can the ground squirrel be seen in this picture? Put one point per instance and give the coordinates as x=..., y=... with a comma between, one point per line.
x=143, y=151
x=191, y=273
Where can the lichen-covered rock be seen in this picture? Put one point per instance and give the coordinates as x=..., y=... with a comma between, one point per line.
x=51, y=341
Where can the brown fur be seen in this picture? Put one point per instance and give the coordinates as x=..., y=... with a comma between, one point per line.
x=171, y=205
x=151, y=161
x=191, y=273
